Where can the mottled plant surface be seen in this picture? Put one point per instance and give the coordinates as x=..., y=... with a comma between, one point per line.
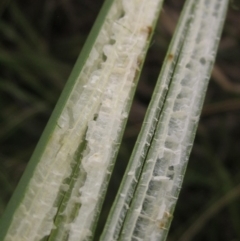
x=39, y=44
x=60, y=194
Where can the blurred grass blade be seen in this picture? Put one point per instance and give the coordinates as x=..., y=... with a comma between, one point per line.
x=3, y=6
x=32, y=37
x=61, y=192
x=169, y=128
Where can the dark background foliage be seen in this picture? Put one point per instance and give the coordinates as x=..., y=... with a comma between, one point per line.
x=39, y=43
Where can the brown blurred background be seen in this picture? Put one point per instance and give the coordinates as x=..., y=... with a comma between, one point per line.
x=39, y=43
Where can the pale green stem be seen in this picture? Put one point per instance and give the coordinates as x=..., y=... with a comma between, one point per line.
x=151, y=210
x=125, y=193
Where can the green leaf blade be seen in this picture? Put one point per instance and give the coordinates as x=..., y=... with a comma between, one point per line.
x=63, y=189
x=150, y=213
